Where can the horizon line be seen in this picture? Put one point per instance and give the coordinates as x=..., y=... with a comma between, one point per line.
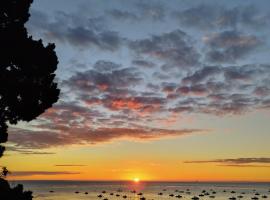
x=165, y=181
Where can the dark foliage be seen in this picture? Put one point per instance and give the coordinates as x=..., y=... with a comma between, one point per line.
x=26, y=69
x=16, y=193
x=27, y=86
x=4, y=172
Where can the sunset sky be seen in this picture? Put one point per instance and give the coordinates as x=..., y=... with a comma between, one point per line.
x=156, y=90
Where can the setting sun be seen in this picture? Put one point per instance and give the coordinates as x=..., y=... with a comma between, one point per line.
x=136, y=180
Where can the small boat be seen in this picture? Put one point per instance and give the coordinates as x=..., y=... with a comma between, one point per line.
x=99, y=196
x=117, y=195
x=232, y=198
x=178, y=196
x=142, y=198
x=77, y=192
x=171, y=195
x=264, y=196
x=140, y=194
x=254, y=198
x=257, y=193
x=232, y=192
x=125, y=196
x=201, y=195
x=195, y=198
x=105, y=199
x=111, y=193
x=240, y=196
x=160, y=193
x=51, y=191
x=103, y=192
x=86, y=193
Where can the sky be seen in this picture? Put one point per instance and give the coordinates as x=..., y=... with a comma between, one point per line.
x=156, y=90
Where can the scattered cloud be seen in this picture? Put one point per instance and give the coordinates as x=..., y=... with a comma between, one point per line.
x=74, y=30
x=82, y=136
x=123, y=15
x=26, y=151
x=128, y=81
x=39, y=173
x=229, y=46
x=175, y=48
x=141, y=11
x=143, y=63
x=205, y=16
x=234, y=161
x=116, y=80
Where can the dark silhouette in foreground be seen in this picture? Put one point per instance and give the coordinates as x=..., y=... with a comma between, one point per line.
x=27, y=86
x=16, y=193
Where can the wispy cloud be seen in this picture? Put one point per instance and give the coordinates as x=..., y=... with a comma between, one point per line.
x=82, y=136
x=241, y=165
x=38, y=173
x=236, y=162
x=69, y=165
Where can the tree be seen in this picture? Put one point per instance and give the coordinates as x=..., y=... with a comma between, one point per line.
x=27, y=67
x=27, y=86
x=4, y=172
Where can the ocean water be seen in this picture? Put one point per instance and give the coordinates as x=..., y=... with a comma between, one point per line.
x=66, y=190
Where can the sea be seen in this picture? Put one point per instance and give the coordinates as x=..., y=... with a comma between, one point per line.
x=126, y=190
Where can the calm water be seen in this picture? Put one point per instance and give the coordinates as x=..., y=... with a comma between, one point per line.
x=65, y=190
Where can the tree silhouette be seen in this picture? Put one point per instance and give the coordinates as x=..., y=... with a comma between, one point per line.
x=27, y=67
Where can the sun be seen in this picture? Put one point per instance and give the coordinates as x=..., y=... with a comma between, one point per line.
x=136, y=180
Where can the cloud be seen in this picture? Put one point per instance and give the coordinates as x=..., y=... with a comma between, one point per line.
x=123, y=15
x=26, y=151
x=74, y=30
x=141, y=11
x=229, y=46
x=175, y=48
x=143, y=63
x=154, y=11
x=245, y=166
x=83, y=136
x=115, y=80
x=147, y=79
x=70, y=165
x=106, y=66
x=201, y=74
x=222, y=90
x=205, y=16
x=38, y=173
x=234, y=161
x=140, y=103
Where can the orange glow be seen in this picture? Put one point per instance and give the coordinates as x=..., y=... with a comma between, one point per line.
x=136, y=180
